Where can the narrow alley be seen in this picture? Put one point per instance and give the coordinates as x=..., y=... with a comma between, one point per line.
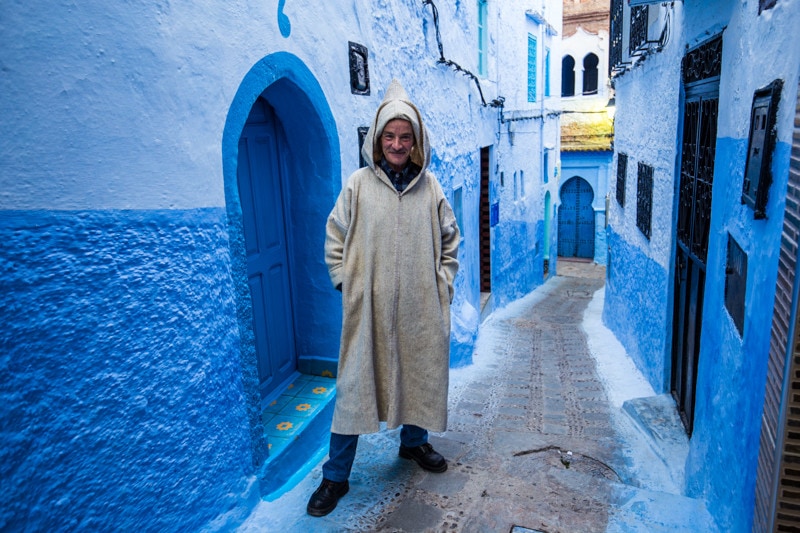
x=551, y=429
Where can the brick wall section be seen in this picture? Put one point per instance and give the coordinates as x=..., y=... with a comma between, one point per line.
x=591, y=15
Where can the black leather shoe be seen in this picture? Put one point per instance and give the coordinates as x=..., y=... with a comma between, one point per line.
x=425, y=456
x=325, y=498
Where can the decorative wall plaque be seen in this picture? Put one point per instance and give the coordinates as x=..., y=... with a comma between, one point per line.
x=757, y=174
x=359, y=70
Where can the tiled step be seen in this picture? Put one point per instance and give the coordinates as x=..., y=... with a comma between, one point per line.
x=297, y=424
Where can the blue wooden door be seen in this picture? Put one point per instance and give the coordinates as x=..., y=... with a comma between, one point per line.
x=260, y=177
x=576, y=219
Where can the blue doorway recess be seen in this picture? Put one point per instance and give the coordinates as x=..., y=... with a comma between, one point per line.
x=282, y=174
x=260, y=174
x=576, y=219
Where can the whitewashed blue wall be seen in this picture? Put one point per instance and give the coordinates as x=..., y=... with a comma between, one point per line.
x=721, y=467
x=127, y=393
x=526, y=130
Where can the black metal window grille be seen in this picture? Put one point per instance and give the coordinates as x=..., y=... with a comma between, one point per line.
x=638, y=37
x=644, y=198
x=615, y=50
x=700, y=67
x=697, y=174
x=704, y=62
x=622, y=171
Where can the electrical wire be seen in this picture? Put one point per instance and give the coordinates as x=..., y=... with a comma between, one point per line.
x=452, y=64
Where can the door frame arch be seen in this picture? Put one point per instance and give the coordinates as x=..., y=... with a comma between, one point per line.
x=302, y=109
x=576, y=179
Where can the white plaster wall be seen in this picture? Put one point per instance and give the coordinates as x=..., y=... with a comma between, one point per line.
x=529, y=127
x=750, y=61
x=579, y=45
x=649, y=137
x=122, y=106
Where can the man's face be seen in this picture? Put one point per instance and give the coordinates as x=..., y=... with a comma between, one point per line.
x=396, y=141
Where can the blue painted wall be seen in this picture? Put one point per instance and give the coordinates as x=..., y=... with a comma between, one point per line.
x=722, y=462
x=636, y=305
x=721, y=467
x=464, y=315
x=128, y=369
x=517, y=259
x=120, y=383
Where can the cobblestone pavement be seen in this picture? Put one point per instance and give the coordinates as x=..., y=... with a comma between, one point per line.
x=533, y=443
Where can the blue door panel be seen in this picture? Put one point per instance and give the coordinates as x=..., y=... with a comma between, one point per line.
x=246, y=197
x=576, y=219
x=264, y=220
x=265, y=373
x=280, y=326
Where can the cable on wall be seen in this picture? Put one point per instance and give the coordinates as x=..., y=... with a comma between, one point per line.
x=498, y=102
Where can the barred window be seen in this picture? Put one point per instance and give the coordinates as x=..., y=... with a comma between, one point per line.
x=622, y=172
x=547, y=72
x=644, y=198
x=615, y=50
x=638, y=35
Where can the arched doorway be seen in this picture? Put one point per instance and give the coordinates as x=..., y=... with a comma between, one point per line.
x=282, y=174
x=576, y=219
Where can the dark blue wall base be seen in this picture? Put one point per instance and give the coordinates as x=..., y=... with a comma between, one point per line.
x=635, y=309
x=121, y=400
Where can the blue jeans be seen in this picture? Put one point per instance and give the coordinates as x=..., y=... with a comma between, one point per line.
x=343, y=451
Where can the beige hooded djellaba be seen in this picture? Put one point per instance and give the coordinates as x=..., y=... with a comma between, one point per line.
x=395, y=256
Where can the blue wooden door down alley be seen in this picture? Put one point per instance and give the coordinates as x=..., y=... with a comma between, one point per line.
x=576, y=219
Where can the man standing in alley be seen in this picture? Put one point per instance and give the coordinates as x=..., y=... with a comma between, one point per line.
x=391, y=249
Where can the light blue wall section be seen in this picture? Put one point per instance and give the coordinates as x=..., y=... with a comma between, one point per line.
x=636, y=305
x=732, y=370
x=463, y=172
x=121, y=397
x=517, y=259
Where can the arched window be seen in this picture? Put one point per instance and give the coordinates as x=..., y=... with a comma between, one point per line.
x=568, y=76
x=590, y=74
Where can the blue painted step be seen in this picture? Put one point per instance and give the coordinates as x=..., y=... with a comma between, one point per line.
x=297, y=424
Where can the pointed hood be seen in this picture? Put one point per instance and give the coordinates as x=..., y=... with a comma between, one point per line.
x=397, y=104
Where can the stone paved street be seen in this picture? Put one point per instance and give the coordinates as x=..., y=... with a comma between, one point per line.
x=533, y=442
